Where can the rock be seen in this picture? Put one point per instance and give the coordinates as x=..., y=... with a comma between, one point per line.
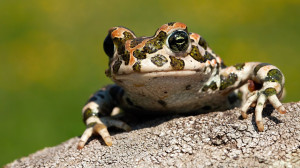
x=214, y=139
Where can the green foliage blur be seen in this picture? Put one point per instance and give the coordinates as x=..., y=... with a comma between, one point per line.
x=51, y=55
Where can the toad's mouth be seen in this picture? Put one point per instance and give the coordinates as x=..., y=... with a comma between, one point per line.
x=157, y=74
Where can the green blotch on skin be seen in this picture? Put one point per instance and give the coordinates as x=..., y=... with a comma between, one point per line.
x=139, y=54
x=196, y=54
x=120, y=42
x=116, y=66
x=202, y=43
x=126, y=57
x=177, y=64
x=159, y=60
x=269, y=92
x=87, y=114
x=208, y=56
x=156, y=43
x=151, y=46
x=239, y=66
x=228, y=81
x=136, y=41
x=137, y=67
x=212, y=86
x=274, y=75
x=257, y=68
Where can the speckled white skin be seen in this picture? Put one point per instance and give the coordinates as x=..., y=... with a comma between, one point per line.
x=175, y=71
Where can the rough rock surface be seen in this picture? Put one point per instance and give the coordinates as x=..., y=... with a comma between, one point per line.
x=206, y=140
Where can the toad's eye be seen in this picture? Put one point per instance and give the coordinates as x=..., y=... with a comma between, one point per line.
x=108, y=46
x=178, y=41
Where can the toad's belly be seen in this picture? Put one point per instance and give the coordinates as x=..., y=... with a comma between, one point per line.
x=170, y=92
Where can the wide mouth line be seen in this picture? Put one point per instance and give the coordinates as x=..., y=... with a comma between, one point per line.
x=160, y=73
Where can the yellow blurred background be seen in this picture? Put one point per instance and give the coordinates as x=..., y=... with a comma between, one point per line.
x=51, y=55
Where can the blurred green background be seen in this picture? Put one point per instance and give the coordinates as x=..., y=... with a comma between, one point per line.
x=52, y=57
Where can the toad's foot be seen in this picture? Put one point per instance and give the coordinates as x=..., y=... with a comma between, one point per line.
x=261, y=97
x=99, y=126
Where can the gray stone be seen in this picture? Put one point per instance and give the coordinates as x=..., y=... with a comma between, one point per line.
x=217, y=139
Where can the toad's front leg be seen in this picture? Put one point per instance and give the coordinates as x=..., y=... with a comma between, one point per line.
x=96, y=114
x=266, y=83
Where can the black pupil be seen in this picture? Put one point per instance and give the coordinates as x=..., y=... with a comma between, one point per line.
x=108, y=46
x=178, y=41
